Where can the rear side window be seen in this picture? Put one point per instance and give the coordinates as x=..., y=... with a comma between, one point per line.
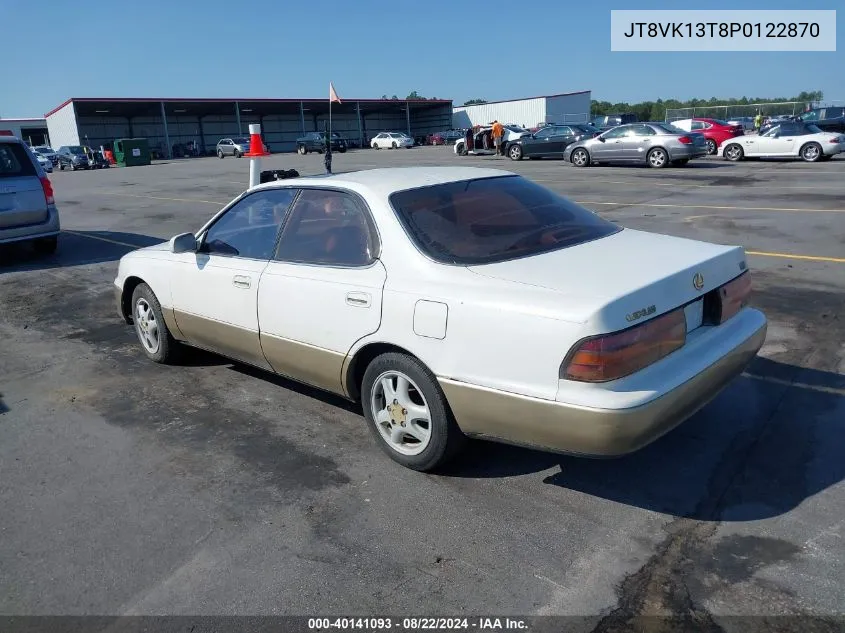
x=15, y=162
x=493, y=219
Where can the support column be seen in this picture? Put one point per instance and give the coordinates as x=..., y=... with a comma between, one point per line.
x=408, y=117
x=202, y=136
x=360, y=127
x=168, y=149
x=302, y=117
x=238, y=118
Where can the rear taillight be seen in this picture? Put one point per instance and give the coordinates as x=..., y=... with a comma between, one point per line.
x=835, y=140
x=48, y=190
x=612, y=356
x=734, y=296
x=686, y=140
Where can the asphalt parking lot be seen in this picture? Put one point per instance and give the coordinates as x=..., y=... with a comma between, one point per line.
x=211, y=488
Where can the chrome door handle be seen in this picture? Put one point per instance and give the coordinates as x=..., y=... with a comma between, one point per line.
x=241, y=281
x=358, y=299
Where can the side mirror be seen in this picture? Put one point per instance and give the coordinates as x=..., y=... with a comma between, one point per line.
x=601, y=138
x=183, y=243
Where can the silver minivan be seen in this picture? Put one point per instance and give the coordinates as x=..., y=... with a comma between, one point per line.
x=27, y=208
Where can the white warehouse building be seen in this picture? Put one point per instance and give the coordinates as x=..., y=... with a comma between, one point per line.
x=569, y=107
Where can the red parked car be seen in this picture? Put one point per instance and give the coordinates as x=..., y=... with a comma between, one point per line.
x=715, y=131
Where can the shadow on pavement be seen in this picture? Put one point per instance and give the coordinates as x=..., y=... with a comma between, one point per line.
x=76, y=248
x=3, y=407
x=774, y=438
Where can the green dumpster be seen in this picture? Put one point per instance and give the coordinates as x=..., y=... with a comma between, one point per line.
x=129, y=152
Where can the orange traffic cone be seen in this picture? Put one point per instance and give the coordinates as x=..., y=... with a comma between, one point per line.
x=256, y=145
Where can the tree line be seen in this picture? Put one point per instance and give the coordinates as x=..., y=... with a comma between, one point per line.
x=656, y=110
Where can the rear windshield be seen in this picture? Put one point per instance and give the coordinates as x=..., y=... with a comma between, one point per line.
x=669, y=128
x=489, y=220
x=14, y=161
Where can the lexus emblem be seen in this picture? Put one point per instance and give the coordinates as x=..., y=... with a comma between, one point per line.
x=698, y=281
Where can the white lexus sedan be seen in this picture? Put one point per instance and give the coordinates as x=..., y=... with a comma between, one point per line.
x=454, y=302
x=789, y=139
x=391, y=140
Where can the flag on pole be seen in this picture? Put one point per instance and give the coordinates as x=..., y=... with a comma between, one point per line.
x=332, y=94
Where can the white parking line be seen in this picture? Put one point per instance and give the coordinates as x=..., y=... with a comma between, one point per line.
x=102, y=239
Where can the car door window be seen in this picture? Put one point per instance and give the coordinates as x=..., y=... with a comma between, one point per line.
x=546, y=132
x=249, y=229
x=697, y=125
x=329, y=228
x=565, y=131
x=774, y=132
x=617, y=132
x=641, y=130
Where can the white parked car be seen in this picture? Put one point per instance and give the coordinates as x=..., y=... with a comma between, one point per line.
x=790, y=139
x=454, y=302
x=391, y=140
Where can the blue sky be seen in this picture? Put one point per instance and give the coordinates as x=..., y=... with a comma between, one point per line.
x=223, y=48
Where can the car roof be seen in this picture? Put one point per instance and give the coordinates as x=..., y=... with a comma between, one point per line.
x=387, y=180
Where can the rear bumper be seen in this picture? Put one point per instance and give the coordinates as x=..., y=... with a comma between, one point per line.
x=48, y=228
x=598, y=432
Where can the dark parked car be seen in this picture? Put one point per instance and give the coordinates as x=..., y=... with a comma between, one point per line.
x=827, y=119
x=607, y=121
x=549, y=141
x=73, y=157
x=316, y=142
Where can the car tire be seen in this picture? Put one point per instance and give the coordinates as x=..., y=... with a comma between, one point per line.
x=147, y=314
x=811, y=152
x=301, y=150
x=580, y=157
x=46, y=245
x=61, y=167
x=733, y=152
x=342, y=150
x=441, y=439
x=657, y=158
x=515, y=152
x=375, y=146
x=395, y=145
x=238, y=154
x=220, y=154
x=712, y=148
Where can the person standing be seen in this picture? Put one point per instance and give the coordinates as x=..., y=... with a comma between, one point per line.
x=498, y=133
x=758, y=120
x=468, y=140
x=327, y=160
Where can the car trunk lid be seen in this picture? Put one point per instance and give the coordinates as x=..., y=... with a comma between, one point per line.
x=620, y=280
x=22, y=199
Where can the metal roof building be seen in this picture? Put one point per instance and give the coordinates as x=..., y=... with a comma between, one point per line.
x=31, y=130
x=171, y=124
x=568, y=107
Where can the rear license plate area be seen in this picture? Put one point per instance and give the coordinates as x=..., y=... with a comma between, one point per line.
x=694, y=313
